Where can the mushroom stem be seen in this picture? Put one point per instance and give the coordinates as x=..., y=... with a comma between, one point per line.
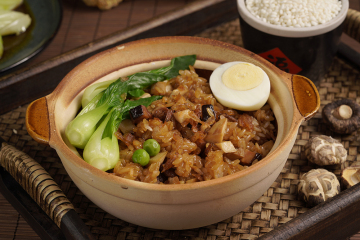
x=343, y=112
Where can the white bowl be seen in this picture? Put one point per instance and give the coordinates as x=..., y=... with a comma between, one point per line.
x=292, y=31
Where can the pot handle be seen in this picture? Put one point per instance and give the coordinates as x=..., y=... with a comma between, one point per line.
x=306, y=96
x=37, y=121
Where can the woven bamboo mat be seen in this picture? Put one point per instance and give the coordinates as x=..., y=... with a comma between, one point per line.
x=277, y=206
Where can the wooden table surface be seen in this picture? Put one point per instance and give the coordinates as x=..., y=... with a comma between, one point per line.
x=80, y=25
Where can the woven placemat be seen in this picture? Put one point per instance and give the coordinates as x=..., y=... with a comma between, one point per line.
x=279, y=203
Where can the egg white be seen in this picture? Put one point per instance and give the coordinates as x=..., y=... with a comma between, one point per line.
x=249, y=100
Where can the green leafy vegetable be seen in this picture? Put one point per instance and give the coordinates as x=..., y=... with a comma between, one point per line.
x=146, y=79
x=105, y=106
x=93, y=90
x=12, y=22
x=143, y=80
x=84, y=125
x=177, y=64
x=92, y=104
x=102, y=153
x=136, y=93
x=102, y=150
x=114, y=94
x=122, y=110
x=138, y=81
x=10, y=4
x=80, y=129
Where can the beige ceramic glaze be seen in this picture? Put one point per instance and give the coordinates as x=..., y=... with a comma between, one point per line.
x=293, y=100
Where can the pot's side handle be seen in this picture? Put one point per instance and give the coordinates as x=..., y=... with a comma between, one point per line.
x=37, y=121
x=306, y=96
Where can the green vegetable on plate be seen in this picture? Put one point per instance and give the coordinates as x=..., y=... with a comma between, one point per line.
x=12, y=22
x=10, y=4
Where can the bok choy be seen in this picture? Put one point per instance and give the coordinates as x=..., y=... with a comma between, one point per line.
x=12, y=22
x=102, y=150
x=105, y=105
x=84, y=125
x=10, y=4
x=93, y=90
x=102, y=153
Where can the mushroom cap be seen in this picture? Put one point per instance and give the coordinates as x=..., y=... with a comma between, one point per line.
x=325, y=150
x=351, y=175
x=342, y=126
x=318, y=185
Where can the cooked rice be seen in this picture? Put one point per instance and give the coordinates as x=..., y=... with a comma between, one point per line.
x=189, y=157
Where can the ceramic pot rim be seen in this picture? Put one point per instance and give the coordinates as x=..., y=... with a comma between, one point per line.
x=58, y=143
x=291, y=31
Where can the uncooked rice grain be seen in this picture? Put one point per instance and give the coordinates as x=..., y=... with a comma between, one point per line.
x=294, y=13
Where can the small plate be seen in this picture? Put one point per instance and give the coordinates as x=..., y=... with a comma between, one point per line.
x=46, y=17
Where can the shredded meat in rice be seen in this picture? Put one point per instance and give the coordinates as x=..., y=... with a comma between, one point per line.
x=192, y=155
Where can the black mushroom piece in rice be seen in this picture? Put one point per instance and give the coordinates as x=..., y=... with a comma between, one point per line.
x=202, y=139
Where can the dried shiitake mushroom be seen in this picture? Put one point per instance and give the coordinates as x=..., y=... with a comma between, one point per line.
x=351, y=175
x=325, y=150
x=342, y=116
x=318, y=185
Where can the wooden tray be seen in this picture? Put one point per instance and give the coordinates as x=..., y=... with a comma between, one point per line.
x=276, y=215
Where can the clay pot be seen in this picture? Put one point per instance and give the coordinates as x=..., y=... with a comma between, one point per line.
x=293, y=99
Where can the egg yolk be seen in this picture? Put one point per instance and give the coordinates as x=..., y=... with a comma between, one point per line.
x=240, y=85
x=242, y=77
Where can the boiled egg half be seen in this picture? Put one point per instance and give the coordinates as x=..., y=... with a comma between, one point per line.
x=240, y=85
